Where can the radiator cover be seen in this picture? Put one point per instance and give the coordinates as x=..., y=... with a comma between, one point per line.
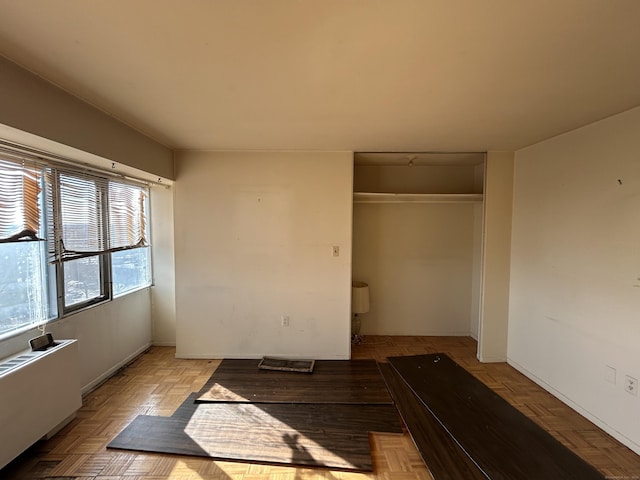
x=38, y=391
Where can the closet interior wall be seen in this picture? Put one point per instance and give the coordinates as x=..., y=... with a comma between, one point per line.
x=417, y=234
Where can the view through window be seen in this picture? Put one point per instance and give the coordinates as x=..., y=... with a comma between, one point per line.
x=23, y=285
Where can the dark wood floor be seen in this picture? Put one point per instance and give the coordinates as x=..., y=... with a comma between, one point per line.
x=319, y=419
x=320, y=435
x=332, y=381
x=591, y=443
x=501, y=441
x=445, y=458
x=158, y=383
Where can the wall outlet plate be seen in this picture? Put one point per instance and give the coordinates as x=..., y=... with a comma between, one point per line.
x=631, y=385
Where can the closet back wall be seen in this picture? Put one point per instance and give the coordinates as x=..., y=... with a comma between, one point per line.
x=418, y=261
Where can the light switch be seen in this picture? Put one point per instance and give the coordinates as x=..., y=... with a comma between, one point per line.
x=336, y=251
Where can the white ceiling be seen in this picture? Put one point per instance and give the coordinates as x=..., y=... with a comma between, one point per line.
x=368, y=75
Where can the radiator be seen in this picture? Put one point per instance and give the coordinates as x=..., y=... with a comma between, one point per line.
x=39, y=392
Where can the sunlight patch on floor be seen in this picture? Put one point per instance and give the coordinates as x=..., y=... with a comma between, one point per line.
x=265, y=427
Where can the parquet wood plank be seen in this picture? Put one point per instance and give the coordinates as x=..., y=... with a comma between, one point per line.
x=503, y=442
x=332, y=381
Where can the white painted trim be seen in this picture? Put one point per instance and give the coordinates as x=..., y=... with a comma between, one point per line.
x=164, y=344
x=492, y=359
x=427, y=333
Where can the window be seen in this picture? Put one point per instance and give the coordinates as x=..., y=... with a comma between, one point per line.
x=130, y=267
x=69, y=238
x=78, y=238
x=23, y=262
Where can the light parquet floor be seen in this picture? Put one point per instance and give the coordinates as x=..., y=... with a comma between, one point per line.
x=157, y=383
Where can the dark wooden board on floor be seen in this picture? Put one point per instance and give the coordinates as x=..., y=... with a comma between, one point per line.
x=332, y=436
x=502, y=441
x=332, y=381
x=347, y=417
x=441, y=454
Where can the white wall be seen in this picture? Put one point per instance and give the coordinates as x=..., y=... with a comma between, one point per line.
x=163, y=303
x=575, y=269
x=496, y=242
x=418, y=262
x=253, y=242
x=33, y=105
x=109, y=336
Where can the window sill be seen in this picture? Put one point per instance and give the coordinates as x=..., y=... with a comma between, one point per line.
x=133, y=290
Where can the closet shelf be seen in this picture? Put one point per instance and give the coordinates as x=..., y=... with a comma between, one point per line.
x=366, y=197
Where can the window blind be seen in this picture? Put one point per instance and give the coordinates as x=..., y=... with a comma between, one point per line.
x=20, y=187
x=88, y=212
x=78, y=214
x=127, y=215
x=94, y=215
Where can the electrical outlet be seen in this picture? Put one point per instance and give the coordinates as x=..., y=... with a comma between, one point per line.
x=285, y=320
x=631, y=385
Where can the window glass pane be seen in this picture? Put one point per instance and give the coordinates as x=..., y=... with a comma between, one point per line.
x=82, y=280
x=23, y=287
x=130, y=270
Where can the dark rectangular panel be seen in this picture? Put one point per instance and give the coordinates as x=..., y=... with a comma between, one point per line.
x=345, y=417
x=332, y=381
x=441, y=454
x=332, y=436
x=502, y=441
